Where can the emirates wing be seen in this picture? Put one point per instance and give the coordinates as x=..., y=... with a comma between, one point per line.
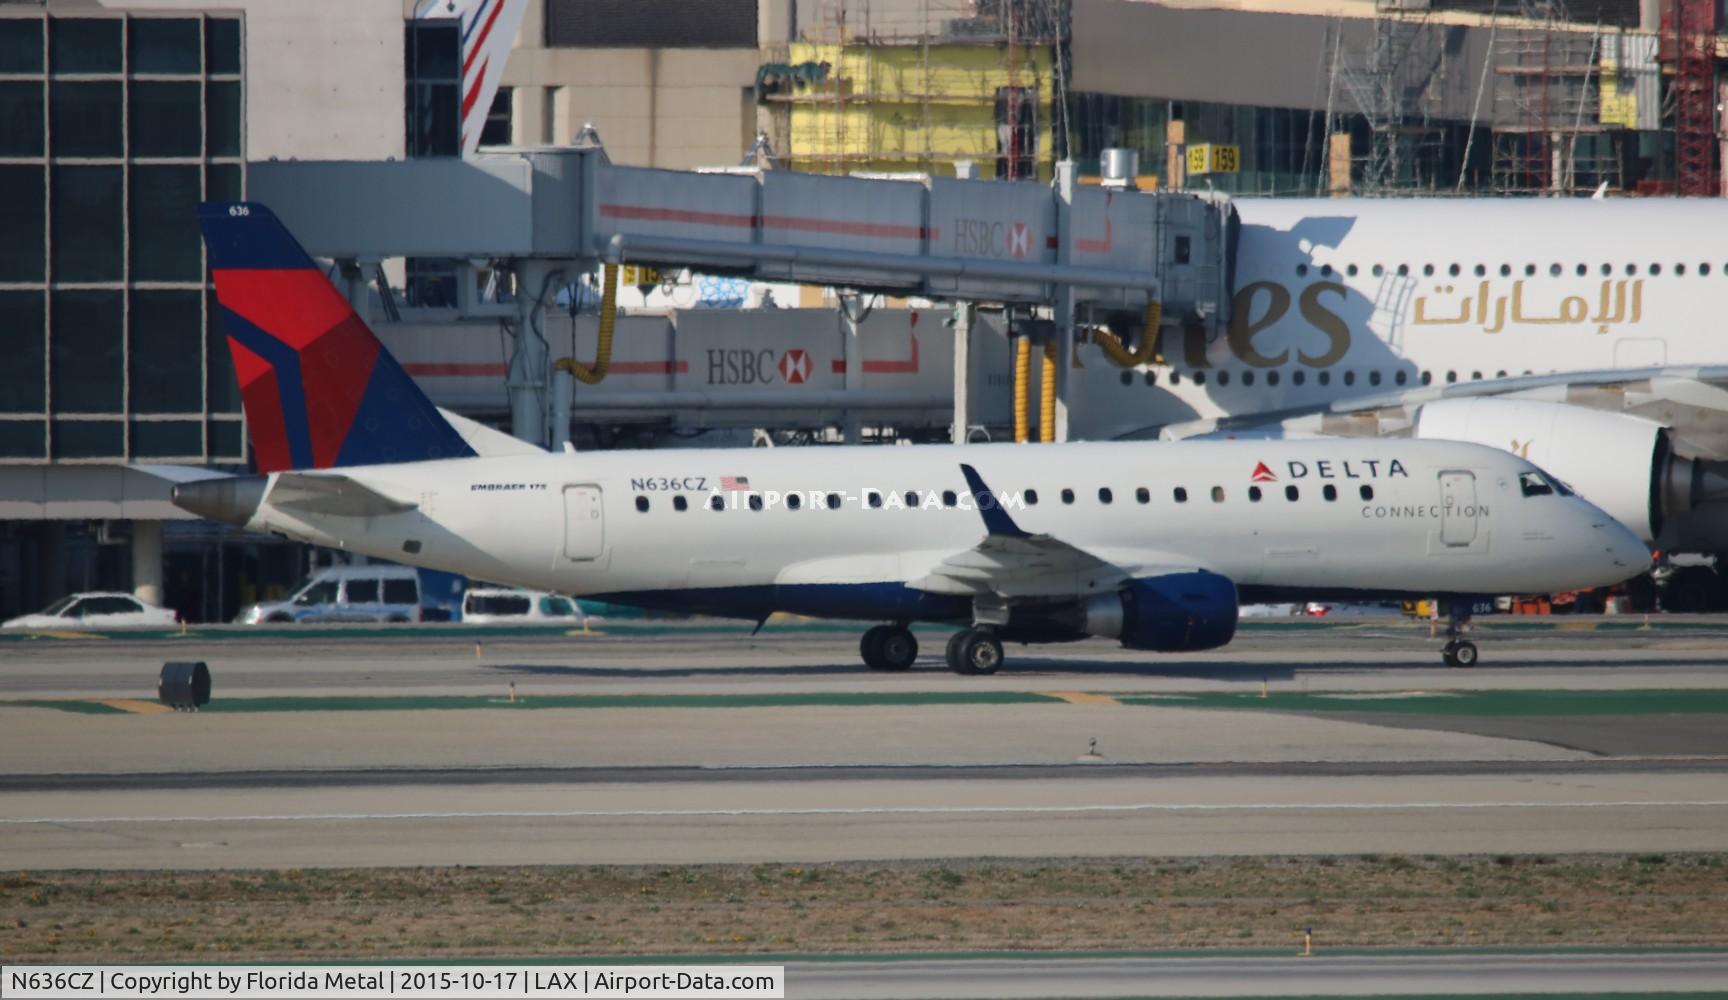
x=1685, y=397
x=331, y=494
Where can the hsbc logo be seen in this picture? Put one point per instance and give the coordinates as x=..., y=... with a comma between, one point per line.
x=985, y=238
x=795, y=366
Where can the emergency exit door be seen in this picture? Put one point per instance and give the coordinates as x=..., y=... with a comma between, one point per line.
x=584, y=523
x=1457, y=508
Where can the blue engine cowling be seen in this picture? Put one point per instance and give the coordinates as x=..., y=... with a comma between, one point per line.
x=1173, y=613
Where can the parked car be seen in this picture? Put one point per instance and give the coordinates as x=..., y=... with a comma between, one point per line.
x=371, y=593
x=511, y=606
x=95, y=610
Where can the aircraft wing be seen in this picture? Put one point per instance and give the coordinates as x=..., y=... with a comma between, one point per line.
x=1013, y=564
x=329, y=493
x=1690, y=399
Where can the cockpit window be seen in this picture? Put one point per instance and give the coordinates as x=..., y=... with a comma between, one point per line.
x=1534, y=484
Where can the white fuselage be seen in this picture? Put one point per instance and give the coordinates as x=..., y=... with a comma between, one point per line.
x=1348, y=297
x=1396, y=517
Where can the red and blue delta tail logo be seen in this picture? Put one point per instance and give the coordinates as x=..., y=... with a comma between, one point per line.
x=1262, y=474
x=318, y=388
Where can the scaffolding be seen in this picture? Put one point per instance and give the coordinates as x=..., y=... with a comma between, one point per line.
x=1550, y=134
x=916, y=85
x=1688, y=52
x=1392, y=83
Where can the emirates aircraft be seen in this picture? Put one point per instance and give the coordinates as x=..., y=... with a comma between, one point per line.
x=1152, y=544
x=1584, y=335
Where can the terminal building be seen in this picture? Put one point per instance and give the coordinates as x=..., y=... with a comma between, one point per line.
x=118, y=116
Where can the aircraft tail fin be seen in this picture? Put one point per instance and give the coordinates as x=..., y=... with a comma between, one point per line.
x=318, y=388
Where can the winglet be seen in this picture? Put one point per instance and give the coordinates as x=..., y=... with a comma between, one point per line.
x=996, y=520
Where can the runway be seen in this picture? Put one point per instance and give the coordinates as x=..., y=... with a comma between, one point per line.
x=1573, y=975
x=679, y=746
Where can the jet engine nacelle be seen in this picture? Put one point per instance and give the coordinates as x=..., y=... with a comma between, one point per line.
x=1173, y=613
x=1623, y=464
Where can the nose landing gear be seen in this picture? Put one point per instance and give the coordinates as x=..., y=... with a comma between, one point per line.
x=1458, y=651
x=888, y=647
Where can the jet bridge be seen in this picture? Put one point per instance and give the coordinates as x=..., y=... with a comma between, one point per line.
x=1083, y=253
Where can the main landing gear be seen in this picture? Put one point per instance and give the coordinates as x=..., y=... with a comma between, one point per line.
x=1458, y=652
x=888, y=647
x=975, y=651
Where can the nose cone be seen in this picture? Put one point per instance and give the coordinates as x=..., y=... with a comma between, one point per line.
x=232, y=500
x=1623, y=554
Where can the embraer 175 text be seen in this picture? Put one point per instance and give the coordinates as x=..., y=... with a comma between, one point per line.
x=1152, y=544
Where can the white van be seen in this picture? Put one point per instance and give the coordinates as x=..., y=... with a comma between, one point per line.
x=378, y=593
x=510, y=606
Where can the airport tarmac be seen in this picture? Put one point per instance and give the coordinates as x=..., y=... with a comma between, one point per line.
x=670, y=746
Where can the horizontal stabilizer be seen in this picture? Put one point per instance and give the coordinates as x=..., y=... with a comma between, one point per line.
x=333, y=495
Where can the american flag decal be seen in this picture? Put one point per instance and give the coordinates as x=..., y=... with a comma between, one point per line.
x=734, y=483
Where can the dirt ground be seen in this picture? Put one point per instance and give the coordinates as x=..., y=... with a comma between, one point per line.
x=1052, y=905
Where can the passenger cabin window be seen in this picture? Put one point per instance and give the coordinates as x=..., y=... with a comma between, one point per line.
x=911, y=500
x=1143, y=495
x=1031, y=497
x=679, y=503
x=1104, y=494
x=366, y=591
x=1330, y=492
x=1217, y=494
x=873, y=498
x=949, y=498
x=1291, y=493
x=794, y=501
x=642, y=504
x=1179, y=494
x=1534, y=485
x=1253, y=494
x=755, y=502
x=716, y=502
x=833, y=501
x=1366, y=492
x=1067, y=496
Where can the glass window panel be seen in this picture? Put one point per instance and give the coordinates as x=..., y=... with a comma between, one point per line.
x=164, y=45
x=85, y=119
x=167, y=439
x=222, y=45
x=89, y=439
x=222, y=386
x=222, y=119
x=87, y=353
x=165, y=241
x=20, y=118
x=23, y=439
x=22, y=219
x=432, y=120
x=22, y=373
x=167, y=365
x=165, y=119
x=20, y=45
x=87, y=223
x=440, y=48
x=84, y=44
x=225, y=443
x=222, y=182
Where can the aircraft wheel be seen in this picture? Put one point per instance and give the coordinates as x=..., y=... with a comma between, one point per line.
x=975, y=651
x=870, y=647
x=896, y=648
x=1464, y=654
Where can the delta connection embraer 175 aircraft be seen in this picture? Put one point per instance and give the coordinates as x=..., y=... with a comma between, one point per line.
x=1584, y=335
x=1152, y=544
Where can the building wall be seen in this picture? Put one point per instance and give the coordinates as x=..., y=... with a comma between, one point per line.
x=910, y=107
x=657, y=107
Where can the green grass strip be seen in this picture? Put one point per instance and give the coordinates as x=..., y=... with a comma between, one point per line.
x=1636, y=702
